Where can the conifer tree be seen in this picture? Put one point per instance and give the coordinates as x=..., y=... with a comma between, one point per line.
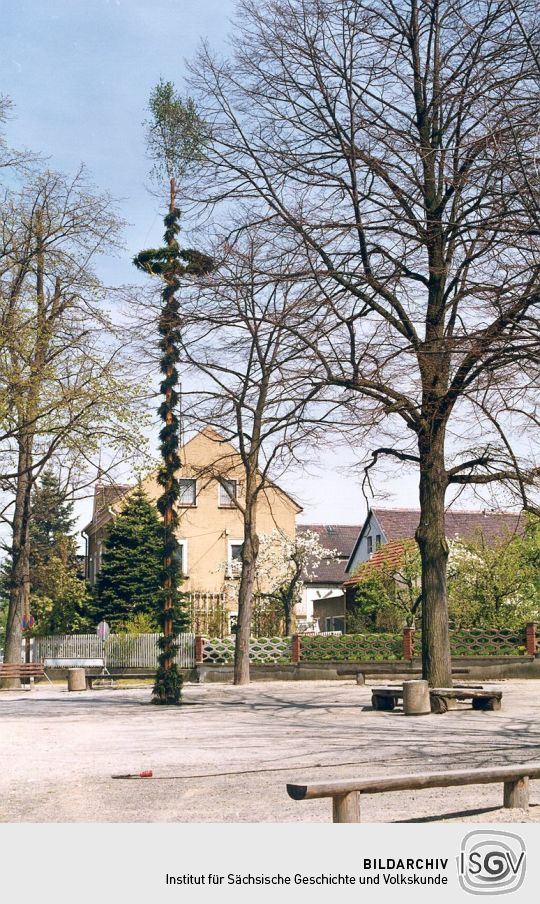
x=52, y=516
x=129, y=581
x=175, y=135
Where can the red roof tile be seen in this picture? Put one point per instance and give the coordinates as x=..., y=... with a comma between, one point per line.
x=389, y=555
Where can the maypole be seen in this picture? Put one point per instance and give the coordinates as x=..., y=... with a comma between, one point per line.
x=173, y=135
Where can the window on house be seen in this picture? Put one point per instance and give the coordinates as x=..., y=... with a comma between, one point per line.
x=181, y=557
x=369, y=541
x=188, y=492
x=235, y=557
x=377, y=541
x=227, y=492
x=236, y=547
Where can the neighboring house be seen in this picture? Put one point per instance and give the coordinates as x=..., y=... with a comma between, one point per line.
x=323, y=597
x=105, y=497
x=387, y=527
x=383, y=525
x=390, y=557
x=211, y=530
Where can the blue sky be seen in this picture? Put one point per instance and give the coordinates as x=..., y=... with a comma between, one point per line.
x=79, y=73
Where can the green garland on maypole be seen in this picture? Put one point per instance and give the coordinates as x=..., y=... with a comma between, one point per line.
x=173, y=127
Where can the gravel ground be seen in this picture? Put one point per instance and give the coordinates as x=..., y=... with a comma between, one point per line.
x=226, y=755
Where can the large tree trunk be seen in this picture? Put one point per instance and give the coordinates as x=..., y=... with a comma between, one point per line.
x=20, y=561
x=290, y=619
x=20, y=546
x=431, y=537
x=291, y=598
x=250, y=552
x=289, y=610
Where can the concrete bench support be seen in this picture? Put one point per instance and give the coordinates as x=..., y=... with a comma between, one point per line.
x=416, y=698
x=76, y=680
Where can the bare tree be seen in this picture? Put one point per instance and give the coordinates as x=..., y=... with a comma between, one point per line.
x=377, y=137
x=64, y=383
x=11, y=159
x=251, y=388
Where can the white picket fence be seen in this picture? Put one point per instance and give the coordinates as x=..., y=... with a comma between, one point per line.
x=119, y=650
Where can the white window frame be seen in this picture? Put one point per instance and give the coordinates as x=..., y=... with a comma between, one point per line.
x=229, y=503
x=234, y=567
x=184, y=545
x=369, y=542
x=189, y=504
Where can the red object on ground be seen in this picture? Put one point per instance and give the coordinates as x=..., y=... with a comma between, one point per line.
x=146, y=774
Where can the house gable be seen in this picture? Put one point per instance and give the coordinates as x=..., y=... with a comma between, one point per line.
x=372, y=527
x=211, y=527
x=208, y=455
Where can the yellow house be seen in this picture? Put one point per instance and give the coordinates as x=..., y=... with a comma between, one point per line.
x=211, y=530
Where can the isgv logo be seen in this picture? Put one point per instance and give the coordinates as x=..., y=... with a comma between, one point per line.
x=491, y=863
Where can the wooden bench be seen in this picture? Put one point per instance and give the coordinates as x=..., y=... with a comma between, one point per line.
x=441, y=698
x=346, y=794
x=483, y=698
x=82, y=662
x=23, y=670
x=386, y=698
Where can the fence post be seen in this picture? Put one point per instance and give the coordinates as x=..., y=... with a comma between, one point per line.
x=199, y=649
x=296, y=651
x=408, y=643
x=531, y=638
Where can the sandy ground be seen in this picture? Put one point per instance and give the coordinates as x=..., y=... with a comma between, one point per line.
x=226, y=755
